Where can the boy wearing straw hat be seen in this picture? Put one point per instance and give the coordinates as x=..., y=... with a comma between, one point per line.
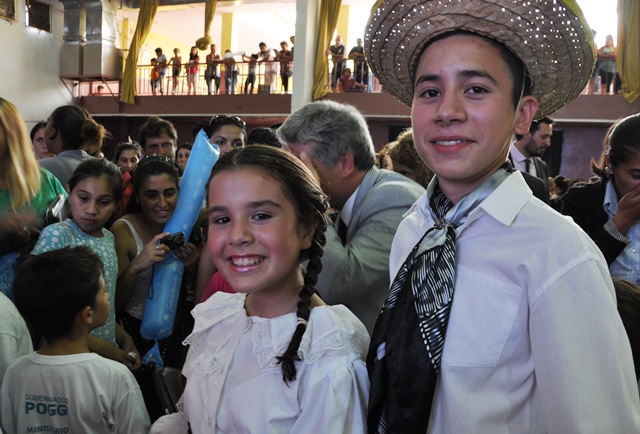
x=501, y=316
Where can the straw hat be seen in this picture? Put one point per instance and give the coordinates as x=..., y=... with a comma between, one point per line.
x=551, y=37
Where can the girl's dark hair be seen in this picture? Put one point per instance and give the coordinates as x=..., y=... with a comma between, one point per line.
x=127, y=146
x=37, y=127
x=620, y=144
x=77, y=129
x=51, y=288
x=150, y=165
x=99, y=168
x=310, y=204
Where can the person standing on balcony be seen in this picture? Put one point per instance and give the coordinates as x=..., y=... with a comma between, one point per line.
x=360, y=67
x=162, y=67
x=176, y=64
x=285, y=57
x=270, y=67
x=338, y=58
x=251, y=75
x=607, y=65
x=211, y=72
x=230, y=73
x=192, y=70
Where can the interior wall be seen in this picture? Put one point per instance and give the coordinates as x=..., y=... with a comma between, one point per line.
x=31, y=66
x=579, y=147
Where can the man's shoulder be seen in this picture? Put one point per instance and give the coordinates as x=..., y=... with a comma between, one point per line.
x=390, y=187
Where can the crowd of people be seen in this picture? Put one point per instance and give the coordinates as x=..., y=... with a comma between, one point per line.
x=428, y=288
x=264, y=66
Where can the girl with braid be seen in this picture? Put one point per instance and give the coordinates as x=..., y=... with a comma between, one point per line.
x=272, y=357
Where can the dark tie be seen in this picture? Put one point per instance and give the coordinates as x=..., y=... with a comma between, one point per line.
x=527, y=165
x=421, y=295
x=342, y=231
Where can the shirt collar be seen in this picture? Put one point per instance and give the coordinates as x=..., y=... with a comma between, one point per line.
x=503, y=204
x=347, y=210
x=517, y=156
x=610, y=204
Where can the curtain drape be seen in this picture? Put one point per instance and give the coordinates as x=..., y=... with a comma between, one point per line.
x=628, y=53
x=209, y=11
x=147, y=13
x=329, y=11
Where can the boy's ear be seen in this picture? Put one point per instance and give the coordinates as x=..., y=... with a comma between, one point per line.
x=86, y=315
x=527, y=110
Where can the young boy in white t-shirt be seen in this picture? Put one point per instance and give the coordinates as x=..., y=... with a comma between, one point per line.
x=63, y=387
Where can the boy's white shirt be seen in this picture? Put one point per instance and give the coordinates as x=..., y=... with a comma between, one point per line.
x=534, y=342
x=84, y=393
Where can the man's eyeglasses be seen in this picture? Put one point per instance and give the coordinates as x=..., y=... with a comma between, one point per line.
x=224, y=119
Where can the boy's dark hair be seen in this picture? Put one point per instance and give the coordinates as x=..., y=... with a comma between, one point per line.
x=155, y=127
x=310, y=204
x=154, y=60
x=51, y=288
x=99, y=168
x=628, y=296
x=515, y=65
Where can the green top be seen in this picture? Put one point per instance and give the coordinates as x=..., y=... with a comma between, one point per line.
x=50, y=187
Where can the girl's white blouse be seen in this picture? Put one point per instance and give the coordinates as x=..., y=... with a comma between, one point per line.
x=234, y=384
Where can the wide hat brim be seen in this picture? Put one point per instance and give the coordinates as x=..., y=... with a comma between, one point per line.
x=551, y=37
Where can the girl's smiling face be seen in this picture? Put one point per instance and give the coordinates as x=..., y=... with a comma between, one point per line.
x=254, y=236
x=92, y=204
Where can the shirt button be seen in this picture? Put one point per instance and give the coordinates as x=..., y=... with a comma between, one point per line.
x=209, y=421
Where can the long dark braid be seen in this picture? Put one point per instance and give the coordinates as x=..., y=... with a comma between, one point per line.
x=314, y=254
x=310, y=204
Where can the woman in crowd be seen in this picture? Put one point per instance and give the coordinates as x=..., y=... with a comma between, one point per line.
x=182, y=155
x=609, y=209
x=139, y=245
x=127, y=156
x=39, y=144
x=26, y=192
x=73, y=136
x=406, y=161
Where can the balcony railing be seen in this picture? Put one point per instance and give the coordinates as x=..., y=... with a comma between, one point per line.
x=268, y=79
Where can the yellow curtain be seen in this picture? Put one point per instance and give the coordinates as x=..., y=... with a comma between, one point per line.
x=628, y=53
x=147, y=13
x=209, y=11
x=329, y=10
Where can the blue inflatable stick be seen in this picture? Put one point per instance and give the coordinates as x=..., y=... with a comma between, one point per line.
x=162, y=300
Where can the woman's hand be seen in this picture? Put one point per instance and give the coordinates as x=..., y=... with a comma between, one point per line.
x=628, y=211
x=21, y=224
x=189, y=254
x=152, y=253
